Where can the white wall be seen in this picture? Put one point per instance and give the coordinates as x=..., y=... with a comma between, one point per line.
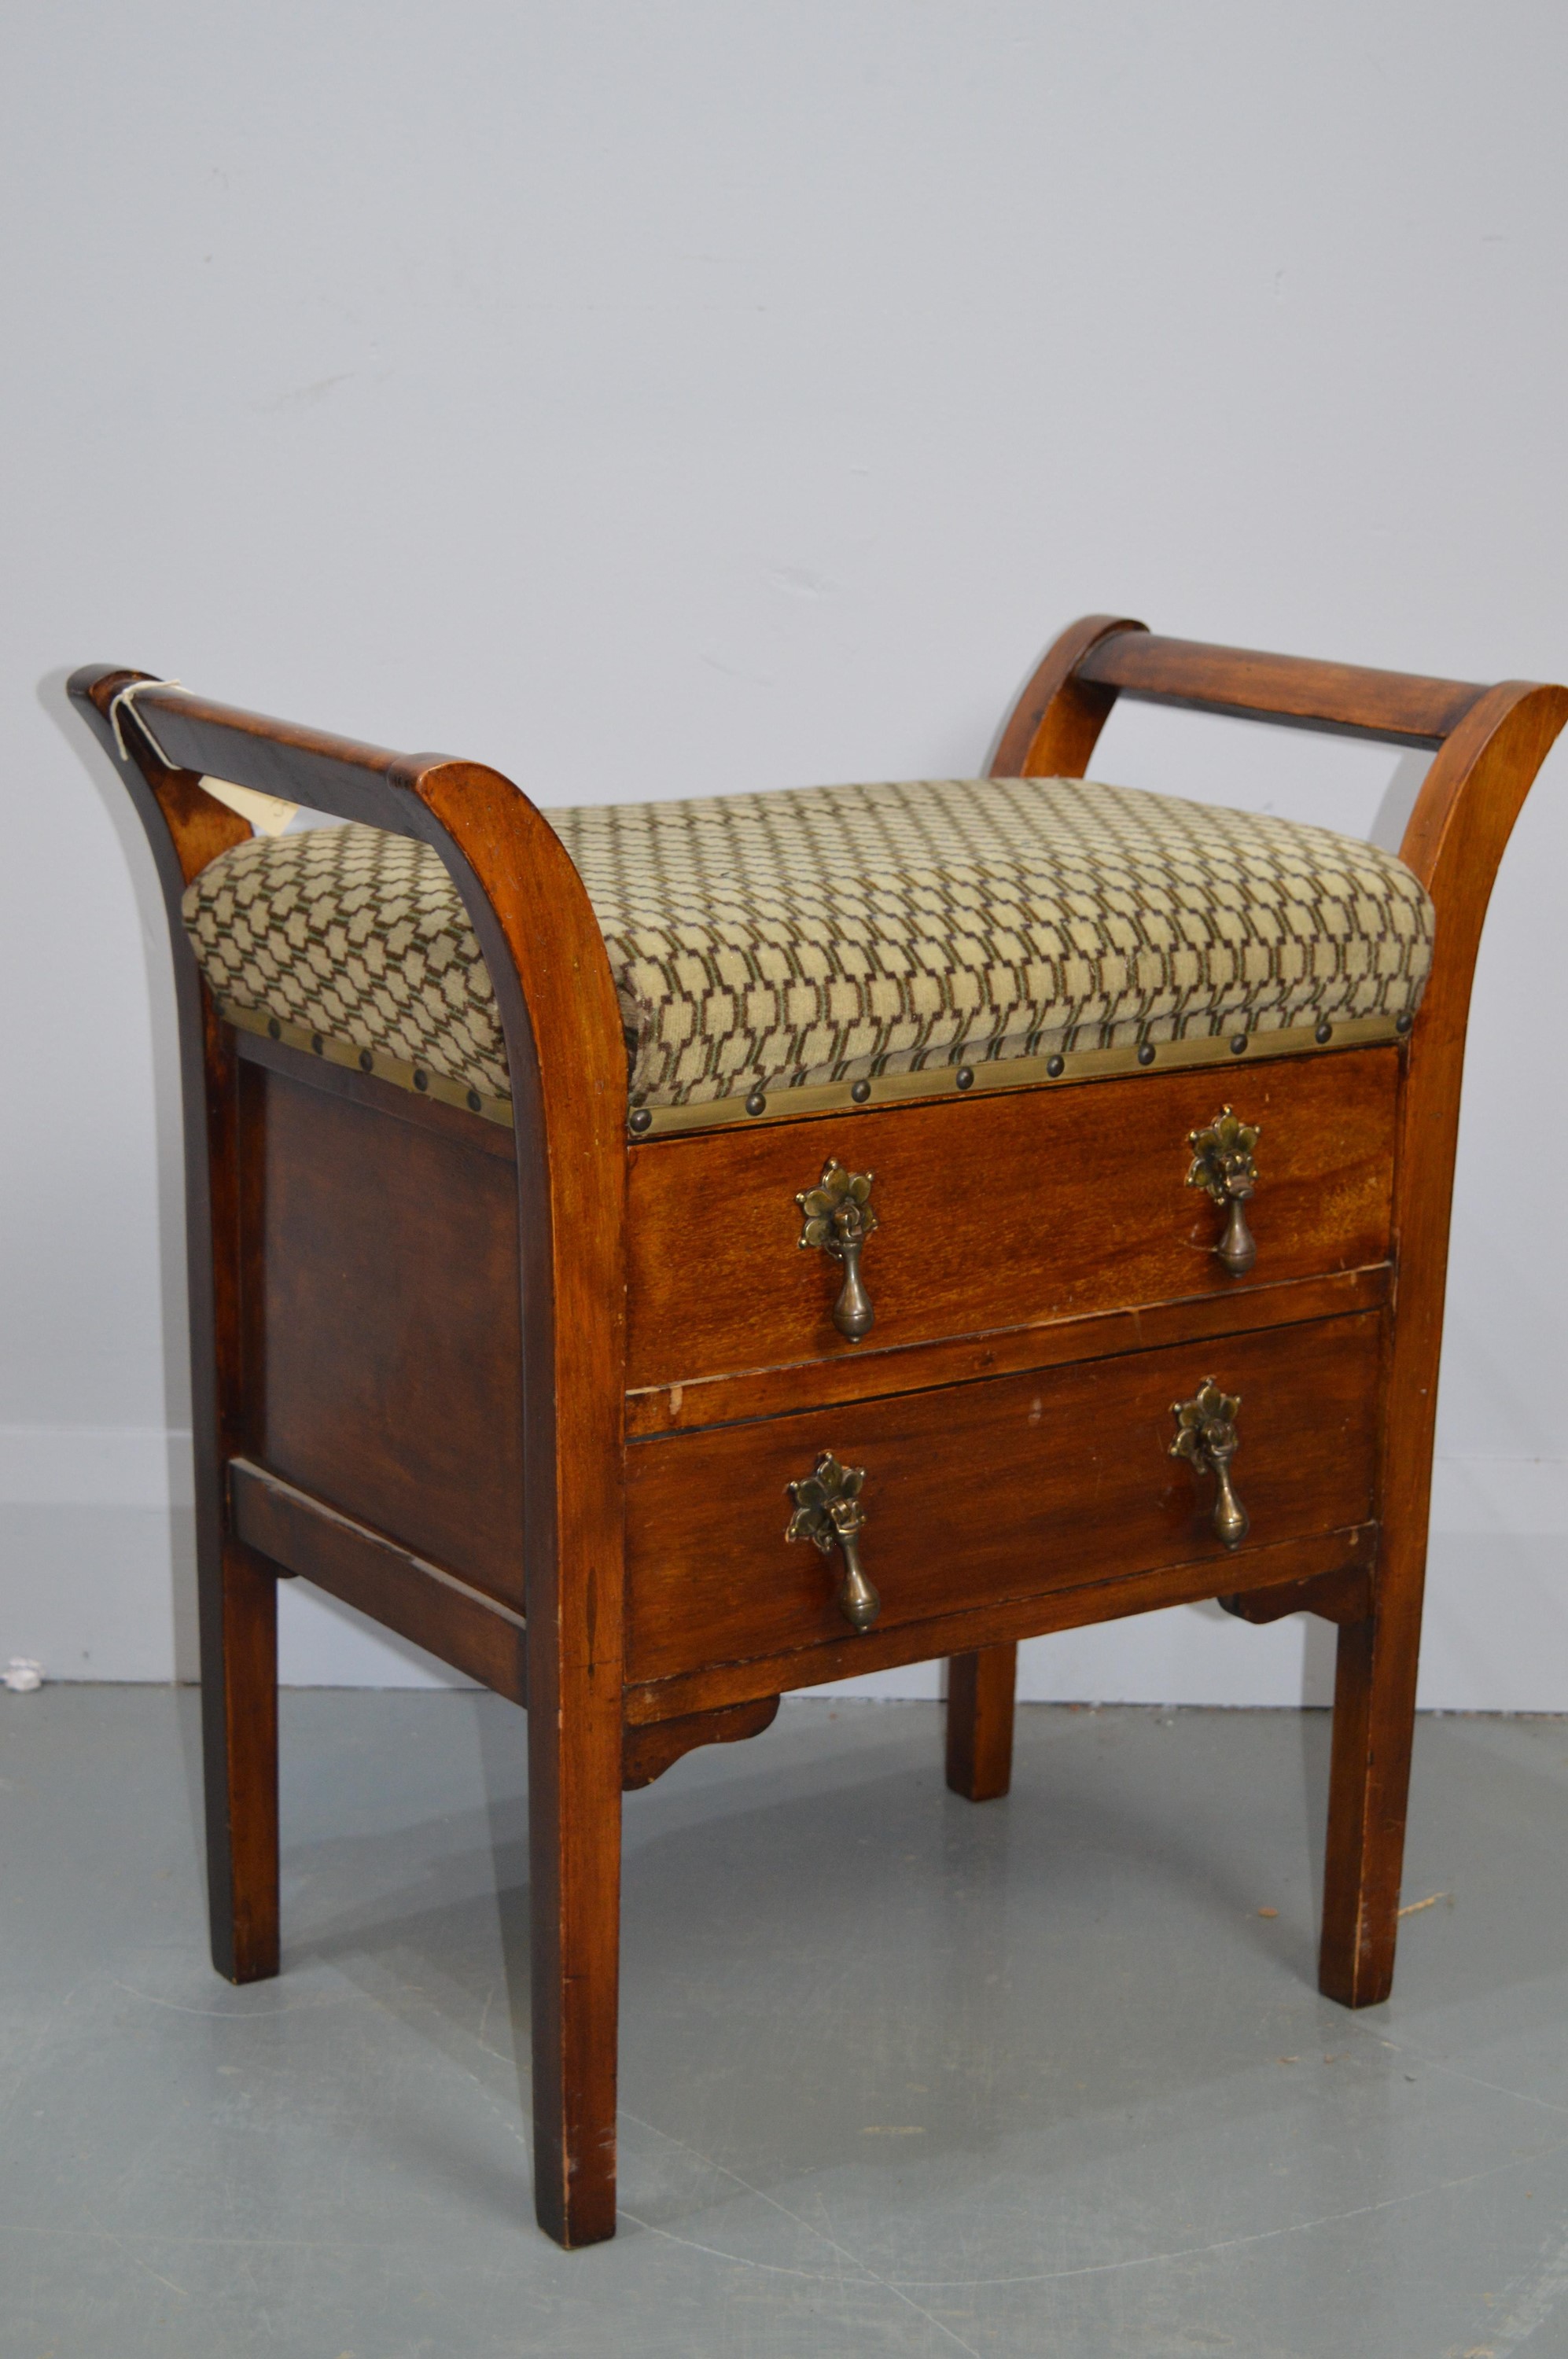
x=676, y=397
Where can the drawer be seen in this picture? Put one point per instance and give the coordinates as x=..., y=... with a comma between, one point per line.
x=1008, y=1488
x=999, y=1212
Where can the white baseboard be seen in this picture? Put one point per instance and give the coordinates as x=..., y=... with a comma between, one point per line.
x=97, y=1583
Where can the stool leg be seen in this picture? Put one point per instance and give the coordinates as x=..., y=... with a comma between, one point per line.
x=237, y=1590
x=574, y=1849
x=239, y=1747
x=1374, y=1722
x=980, y=1722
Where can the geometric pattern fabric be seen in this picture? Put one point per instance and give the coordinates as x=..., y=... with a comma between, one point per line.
x=822, y=933
x=357, y=935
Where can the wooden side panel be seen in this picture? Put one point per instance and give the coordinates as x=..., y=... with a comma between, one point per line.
x=999, y=1212
x=382, y=1334
x=1017, y=1486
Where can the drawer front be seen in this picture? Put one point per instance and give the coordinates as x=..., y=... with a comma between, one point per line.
x=1012, y=1487
x=999, y=1212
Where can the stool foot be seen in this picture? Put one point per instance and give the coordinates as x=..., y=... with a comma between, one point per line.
x=574, y=1848
x=239, y=1747
x=980, y=1722
x=1374, y=1723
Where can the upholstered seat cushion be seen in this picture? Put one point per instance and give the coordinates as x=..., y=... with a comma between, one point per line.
x=785, y=940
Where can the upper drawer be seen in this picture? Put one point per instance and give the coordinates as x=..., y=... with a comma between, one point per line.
x=999, y=1211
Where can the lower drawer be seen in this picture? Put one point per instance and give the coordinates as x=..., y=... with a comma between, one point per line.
x=1008, y=1488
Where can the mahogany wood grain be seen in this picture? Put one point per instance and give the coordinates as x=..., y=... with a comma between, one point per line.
x=1455, y=841
x=866, y=1375
x=1055, y=724
x=1342, y=700
x=383, y=1344
x=343, y=776
x=976, y=1492
x=1042, y=1205
x=566, y=1054
x=980, y=1722
x=972, y=1627
x=654, y=1746
x=378, y=1576
x=1333, y=1596
x=238, y=1637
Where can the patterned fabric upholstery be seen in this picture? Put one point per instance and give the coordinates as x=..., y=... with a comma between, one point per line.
x=819, y=934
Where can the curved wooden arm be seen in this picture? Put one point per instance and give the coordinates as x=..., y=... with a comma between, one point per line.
x=1454, y=842
x=1054, y=726
x=1296, y=692
x=556, y=999
x=1052, y=729
x=542, y=944
x=1490, y=742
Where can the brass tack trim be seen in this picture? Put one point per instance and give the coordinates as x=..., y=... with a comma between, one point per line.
x=367, y=1060
x=874, y=1090
x=1024, y=1073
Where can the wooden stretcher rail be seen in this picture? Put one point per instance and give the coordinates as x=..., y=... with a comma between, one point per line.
x=306, y=1537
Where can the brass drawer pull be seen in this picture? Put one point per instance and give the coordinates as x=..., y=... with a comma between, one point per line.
x=837, y=1219
x=1223, y=1164
x=828, y=1509
x=1206, y=1437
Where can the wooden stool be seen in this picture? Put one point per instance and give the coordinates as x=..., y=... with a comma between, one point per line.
x=878, y=1325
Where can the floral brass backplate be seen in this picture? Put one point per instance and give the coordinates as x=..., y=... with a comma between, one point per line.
x=828, y=1512
x=1223, y=1165
x=837, y=1219
x=1207, y=1439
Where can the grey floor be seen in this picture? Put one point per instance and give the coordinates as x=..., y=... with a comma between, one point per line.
x=899, y=2075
